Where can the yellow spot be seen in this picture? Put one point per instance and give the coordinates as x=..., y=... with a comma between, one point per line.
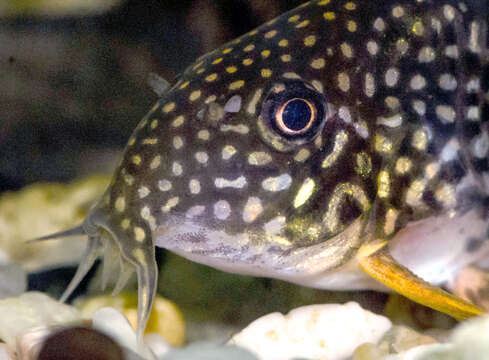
x=184, y=85
x=200, y=71
x=211, y=77
x=197, y=65
x=266, y=73
x=383, y=184
x=217, y=61
x=286, y=58
x=271, y=34
x=151, y=141
x=247, y=62
x=294, y=18
x=139, y=234
x=420, y=140
x=231, y=69
x=363, y=164
x=236, y=85
x=390, y=221
x=324, y=2
x=178, y=121
x=329, y=15
x=139, y=255
x=195, y=95
x=169, y=107
x=155, y=163
x=125, y=224
x=249, y=48
x=265, y=53
x=227, y=51
x=304, y=192
x=120, y=204
x=136, y=159
x=351, y=26
x=446, y=195
x=418, y=28
x=302, y=24
x=382, y=144
x=131, y=141
x=350, y=5
x=154, y=124
x=403, y=165
x=283, y=43
x=318, y=63
x=253, y=32
x=310, y=40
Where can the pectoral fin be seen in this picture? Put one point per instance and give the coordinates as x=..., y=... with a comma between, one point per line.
x=380, y=265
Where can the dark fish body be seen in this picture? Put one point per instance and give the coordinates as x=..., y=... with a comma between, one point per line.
x=338, y=124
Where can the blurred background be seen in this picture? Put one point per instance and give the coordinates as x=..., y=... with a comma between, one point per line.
x=73, y=73
x=73, y=85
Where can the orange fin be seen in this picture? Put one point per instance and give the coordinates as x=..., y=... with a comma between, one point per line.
x=380, y=265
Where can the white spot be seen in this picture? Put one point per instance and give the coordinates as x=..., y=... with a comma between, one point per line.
x=195, y=211
x=177, y=169
x=379, y=24
x=398, y=11
x=302, y=155
x=346, y=50
x=445, y=113
x=251, y=108
x=259, y=158
x=473, y=113
x=252, y=209
x=238, y=183
x=177, y=142
x=452, y=51
x=420, y=107
x=274, y=226
x=143, y=191
x=448, y=82
x=372, y=48
x=449, y=12
x=361, y=129
x=171, y=203
x=392, y=103
x=343, y=81
x=194, y=186
x=222, y=209
x=474, y=85
x=228, y=151
x=291, y=75
x=277, y=183
x=426, y=54
x=164, y=185
x=369, y=85
x=418, y=82
x=391, y=77
x=392, y=121
x=318, y=85
x=450, y=150
x=203, y=135
x=436, y=24
x=304, y=193
x=240, y=128
x=201, y=157
x=480, y=147
x=344, y=114
x=233, y=105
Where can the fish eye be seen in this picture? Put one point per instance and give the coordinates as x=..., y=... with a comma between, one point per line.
x=293, y=113
x=295, y=116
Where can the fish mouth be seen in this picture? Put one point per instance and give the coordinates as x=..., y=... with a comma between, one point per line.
x=242, y=254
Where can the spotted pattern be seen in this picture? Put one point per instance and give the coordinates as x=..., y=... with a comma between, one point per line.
x=398, y=94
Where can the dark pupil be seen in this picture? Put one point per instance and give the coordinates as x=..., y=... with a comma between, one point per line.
x=296, y=115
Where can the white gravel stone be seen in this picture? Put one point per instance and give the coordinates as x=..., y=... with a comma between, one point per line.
x=327, y=331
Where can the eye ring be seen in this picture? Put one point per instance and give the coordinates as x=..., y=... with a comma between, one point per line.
x=282, y=125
